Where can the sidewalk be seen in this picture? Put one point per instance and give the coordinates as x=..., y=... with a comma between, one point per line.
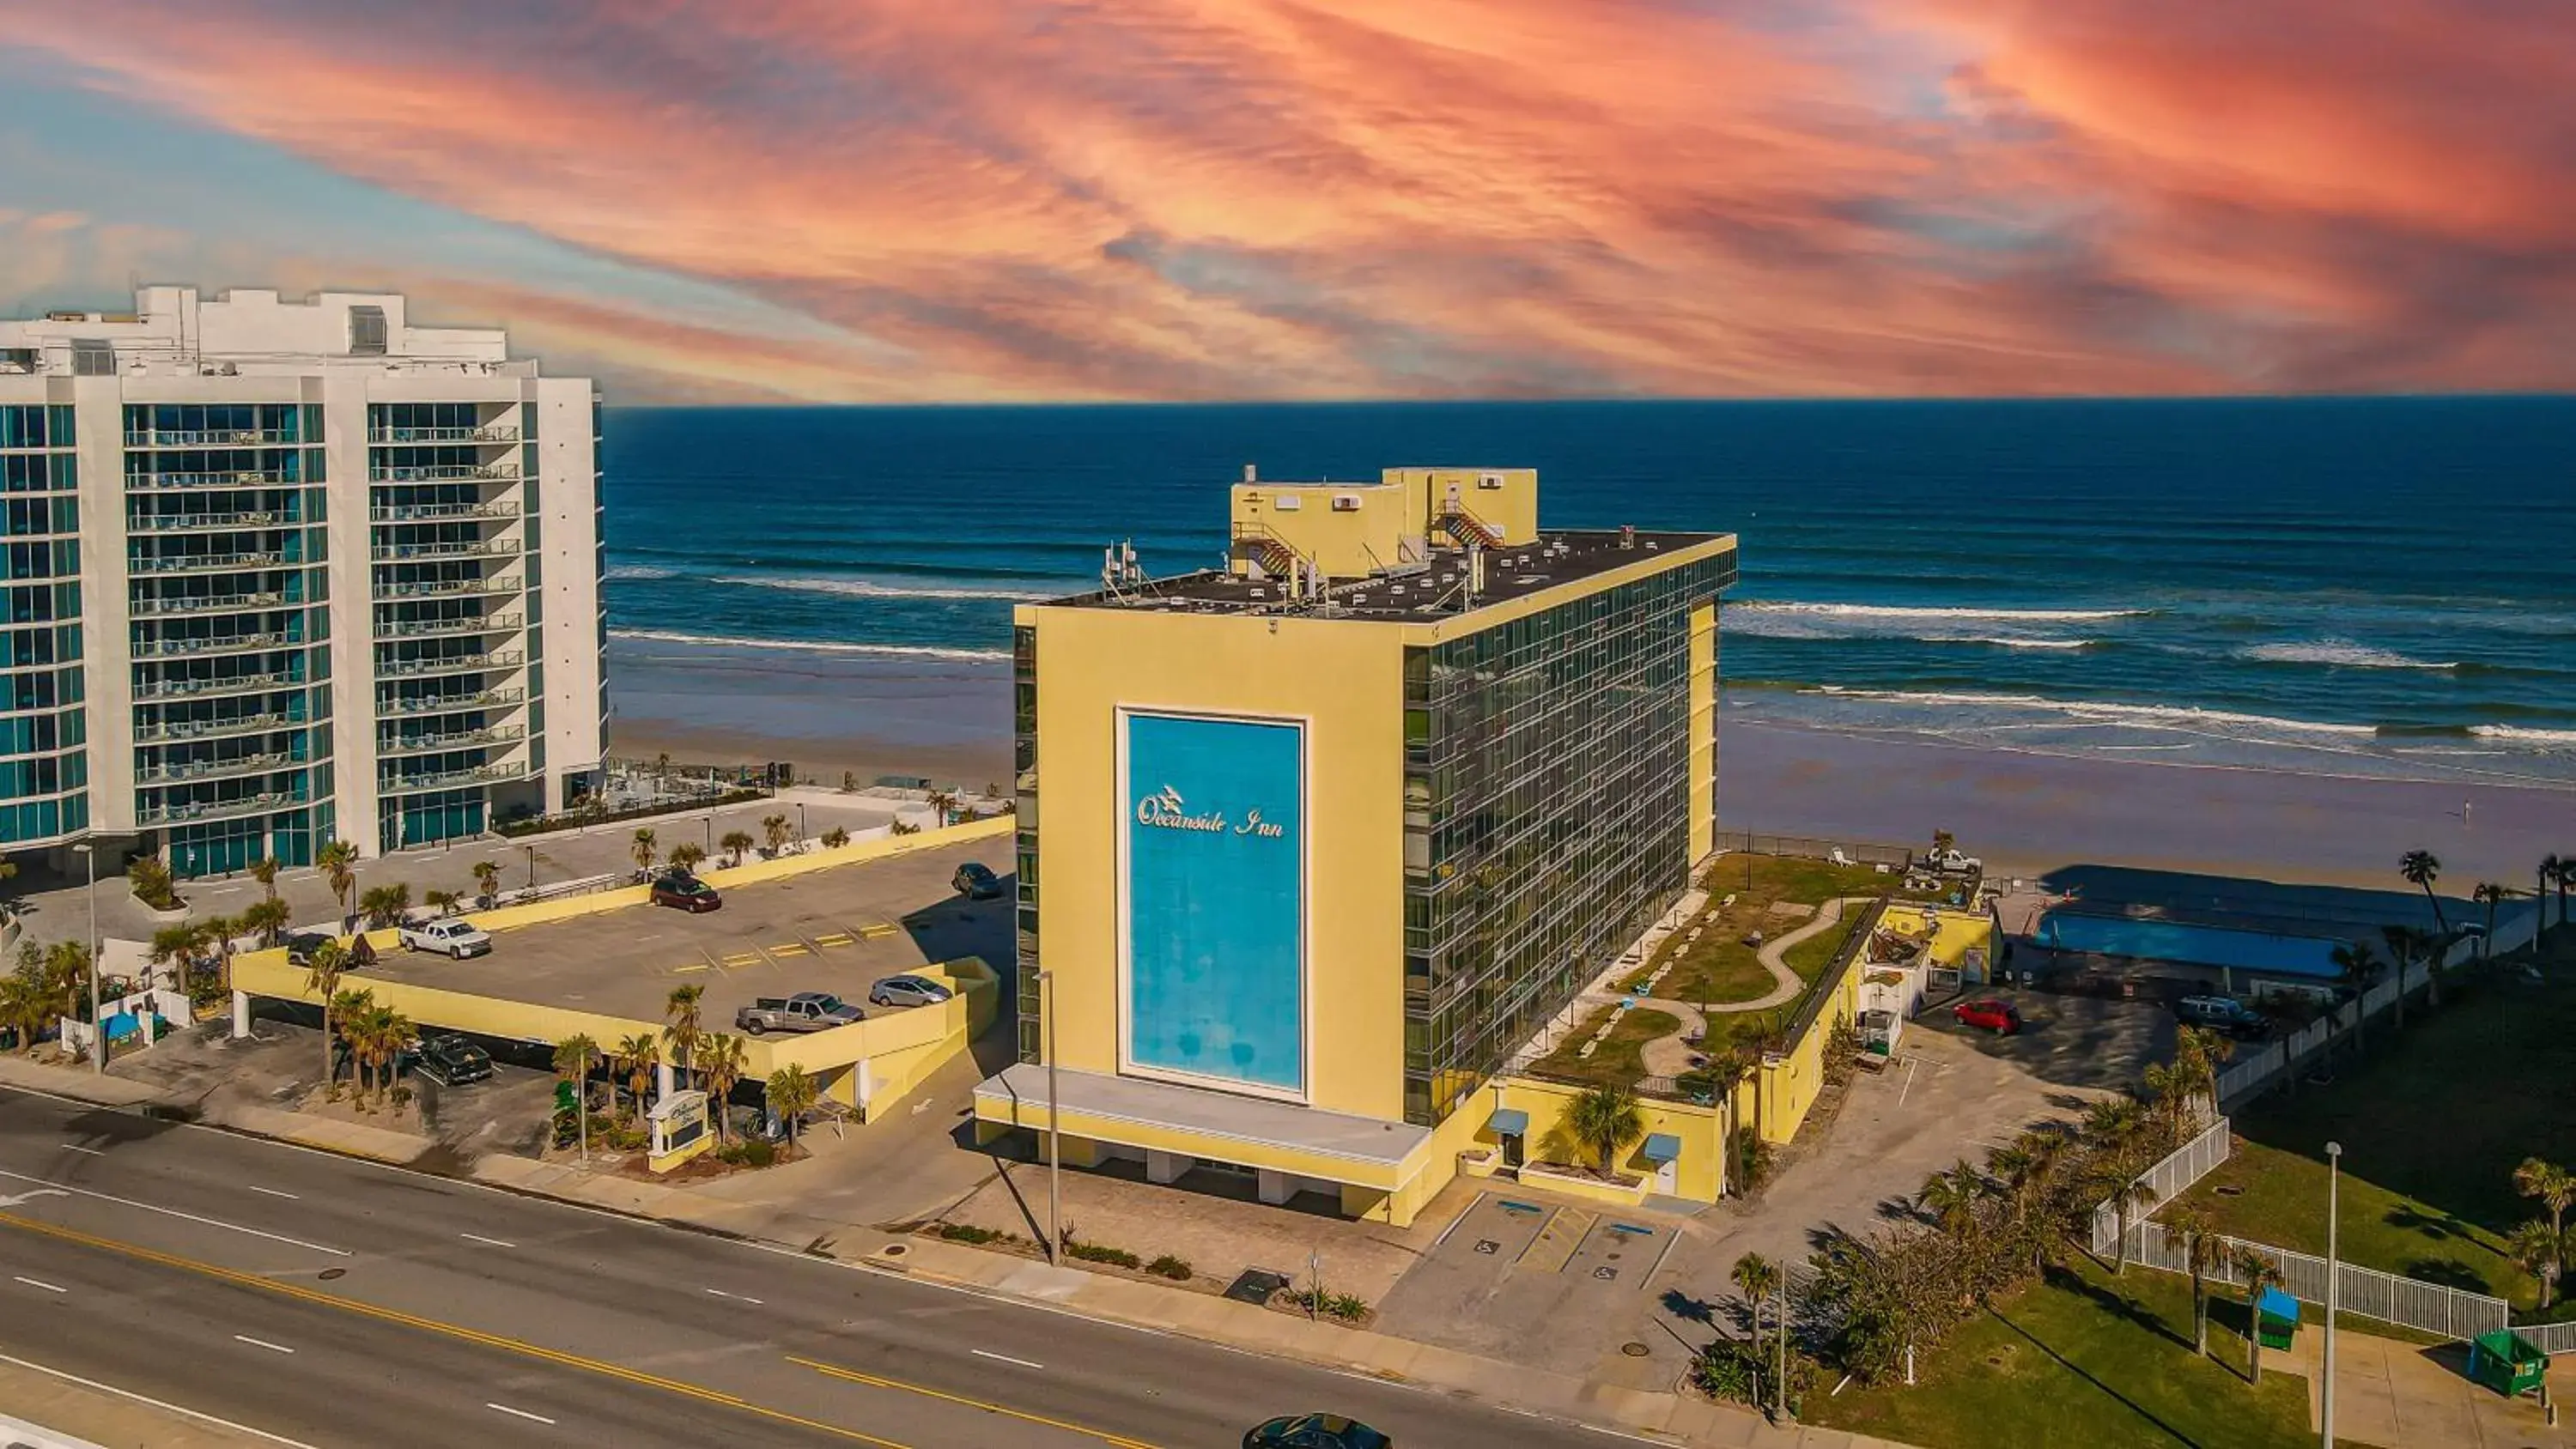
x=50, y=1412
x=2399, y=1395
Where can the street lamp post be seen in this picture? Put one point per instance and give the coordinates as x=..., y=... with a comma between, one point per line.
x=2334, y=1184
x=97, y=1023
x=800, y=820
x=1055, y=1140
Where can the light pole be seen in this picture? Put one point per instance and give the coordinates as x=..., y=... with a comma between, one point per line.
x=97, y=1024
x=800, y=820
x=2334, y=1184
x=1055, y=1141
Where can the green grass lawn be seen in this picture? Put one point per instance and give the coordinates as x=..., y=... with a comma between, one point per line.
x=2084, y=1359
x=1719, y=967
x=2432, y=1121
x=1617, y=1061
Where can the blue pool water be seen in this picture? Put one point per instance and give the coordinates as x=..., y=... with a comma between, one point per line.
x=2193, y=945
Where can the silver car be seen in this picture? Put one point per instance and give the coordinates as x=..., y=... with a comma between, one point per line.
x=908, y=991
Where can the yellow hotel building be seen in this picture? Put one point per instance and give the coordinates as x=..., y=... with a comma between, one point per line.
x=1309, y=846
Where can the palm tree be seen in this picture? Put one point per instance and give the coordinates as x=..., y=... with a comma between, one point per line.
x=487, y=878
x=573, y=1056
x=172, y=945
x=1605, y=1119
x=1951, y=1198
x=339, y=863
x=723, y=1066
x=635, y=1057
x=644, y=850
x=791, y=1096
x=2420, y=868
x=2130, y=1198
x=322, y=978
x=2402, y=942
x=2490, y=895
x=24, y=1005
x=2566, y=878
x=1757, y=1280
x=264, y=870
x=66, y=970
x=2554, y=1185
x=443, y=902
x=389, y=1034
x=684, y=1033
x=735, y=843
x=2202, y=1251
x=2540, y=1250
x=686, y=855
x=220, y=931
x=268, y=917
x=385, y=905
x=774, y=831
x=348, y=1009
x=2360, y=968
x=2259, y=1273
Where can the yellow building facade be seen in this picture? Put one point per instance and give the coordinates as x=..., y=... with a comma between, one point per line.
x=1307, y=847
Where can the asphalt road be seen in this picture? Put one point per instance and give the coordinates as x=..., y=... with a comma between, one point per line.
x=331, y=1302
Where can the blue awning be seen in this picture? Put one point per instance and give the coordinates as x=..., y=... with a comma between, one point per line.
x=1508, y=1122
x=1662, y=1147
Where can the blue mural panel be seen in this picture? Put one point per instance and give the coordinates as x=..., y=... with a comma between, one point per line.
x=1215, y=909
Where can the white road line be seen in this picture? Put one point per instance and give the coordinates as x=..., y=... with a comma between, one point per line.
x=488, y=1242
x=175, y=1213
x=261, y=1343
x=518, y=1413
x=271, y=1192
x=40, y=1283
x=167, y=1408
x=92, y=1151
x=1005, y=1358
x=736, y=1297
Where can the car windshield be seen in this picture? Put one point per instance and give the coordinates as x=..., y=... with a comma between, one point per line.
x=826, y=1003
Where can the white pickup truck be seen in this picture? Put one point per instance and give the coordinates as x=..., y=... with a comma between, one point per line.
x=1951, y=862
x=459, y=939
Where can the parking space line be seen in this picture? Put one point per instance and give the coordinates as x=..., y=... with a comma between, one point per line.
x=741, y=959
x=690, y=967
x=836, y=938
x=877, y=932
x=789, y=948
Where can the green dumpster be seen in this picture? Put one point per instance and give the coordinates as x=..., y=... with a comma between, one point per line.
x=2506, y=1362
x=2276, y=1318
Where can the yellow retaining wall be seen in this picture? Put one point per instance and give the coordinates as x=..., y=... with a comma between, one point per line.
x=1792, y=1080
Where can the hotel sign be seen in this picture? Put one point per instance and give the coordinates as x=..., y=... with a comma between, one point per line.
x=1166, y=810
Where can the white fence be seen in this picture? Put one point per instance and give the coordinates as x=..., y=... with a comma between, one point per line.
x=2549, y=1338
x=2431, y=1307
x=2251, y=1073
x=2180, y=1168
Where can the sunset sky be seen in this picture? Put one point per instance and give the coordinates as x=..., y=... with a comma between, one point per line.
x=993, y=200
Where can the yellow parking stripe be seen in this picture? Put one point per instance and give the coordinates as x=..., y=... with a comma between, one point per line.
x=1117, y=1441
x=872, y=933
x=835, y=939
x=692, y=966
x=743, y=958
x=469, y=1335
x=792, y=948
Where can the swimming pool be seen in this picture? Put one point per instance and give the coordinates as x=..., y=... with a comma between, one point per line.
x=2190, y=944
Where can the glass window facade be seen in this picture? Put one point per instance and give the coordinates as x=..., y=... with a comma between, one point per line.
x=1547, y=816
x=44, y=770
x=1024, y=731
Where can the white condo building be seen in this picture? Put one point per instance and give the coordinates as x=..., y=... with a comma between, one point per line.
x=280, y=573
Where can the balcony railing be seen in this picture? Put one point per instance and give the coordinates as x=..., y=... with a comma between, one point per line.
x=446, y=779
x=447, y=588
x=237, y=478
x=190, y=522
x=444, y=473
x=212, y=438
x=419, y=628
x=451, y=664
x=218, y=809
x=228, y=644
x=190, y=563
x=391, y=706
x=452, y=740
x=427, y=512
x=443, y=548
x=211, y=604
x=167, y=731
x=212, y=769
x=489, y=433
x=201, y=688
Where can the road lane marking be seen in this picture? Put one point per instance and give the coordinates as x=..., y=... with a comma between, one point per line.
x=1115, y=1441
x=186, y=1217
x=271, y=1192
x=39, y=1283
x=601, y=1367
x=1004, y=1358
x=92, y=1151
x=488, y=1242
x=518, y=1413
x=168, y=1408
x=736, y=1297
x=261, y=1343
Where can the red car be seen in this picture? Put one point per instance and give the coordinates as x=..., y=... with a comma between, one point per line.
x=686, y=893
x=1999, y=1017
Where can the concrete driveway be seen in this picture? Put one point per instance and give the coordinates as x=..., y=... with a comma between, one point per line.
x=2086, y=1042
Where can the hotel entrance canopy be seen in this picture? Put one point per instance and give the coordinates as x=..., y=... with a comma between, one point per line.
x=1225, y=1127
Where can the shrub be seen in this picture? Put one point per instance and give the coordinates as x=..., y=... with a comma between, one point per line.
x=1342, y=1306
x=749, y=1152
x=1752, y=1160
x=1728, y=1372
x=150, y=879
x=835, y=838
x=1096, y=1253
x=1167, y=1266
x=967, y=1233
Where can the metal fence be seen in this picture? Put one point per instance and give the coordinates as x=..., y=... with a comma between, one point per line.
x=2430, y=1307
x=2169, y=1179
x=1856, y=852
x=2549, y=1338
x=2255, y=1071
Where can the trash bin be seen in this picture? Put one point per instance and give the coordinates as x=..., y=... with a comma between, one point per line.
x=2506, y=1362
x=2276, y=1318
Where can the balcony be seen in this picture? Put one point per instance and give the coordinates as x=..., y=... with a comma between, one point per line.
x=214, y=438
x=452, y=740
x=239, y=478
x=195, y=563
x=205, y=688
x=448, y=588
x=169, y=731
x=428, y=628
x=391, y=707
x=449, y=779
x=445, y=473
x=214, y=769
x=431, y=512
x=489, y=433
x=444, y=548
x=208, y=522
x=218, y=809
x=228, y=644
x=211, y=604
x=451, y=664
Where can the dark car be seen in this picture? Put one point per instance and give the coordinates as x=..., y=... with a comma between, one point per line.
x=1989, y=1014
x=452, y=1061
x=2224, y=1014
x=299, y=946
x=686, y=893
x=1314, y=1431
x=976, y=881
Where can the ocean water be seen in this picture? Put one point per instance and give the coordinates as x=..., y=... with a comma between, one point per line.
x=2381, y=587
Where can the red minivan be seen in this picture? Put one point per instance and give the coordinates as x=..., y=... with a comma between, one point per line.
x=1999, y=1017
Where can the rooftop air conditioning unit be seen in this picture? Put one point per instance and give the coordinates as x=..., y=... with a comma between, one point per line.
x=1346, y=503
x=1489, y=480
x=1287, y=503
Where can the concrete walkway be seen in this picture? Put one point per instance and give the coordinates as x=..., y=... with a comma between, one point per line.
x=2401, y=1395
x=1775, y=955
